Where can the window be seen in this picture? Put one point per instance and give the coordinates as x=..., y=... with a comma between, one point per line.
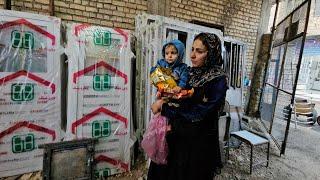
x=28, y=41
x=101, y=82
x=102, y=173
x=23, y=143
x=102, y=38
x=22, y=92
x=233, y=65
x=101, y=129
x=16, y=39
x=106, y=172
x=22, y=40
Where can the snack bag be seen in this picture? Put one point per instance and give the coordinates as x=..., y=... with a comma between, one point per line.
x=162, y=79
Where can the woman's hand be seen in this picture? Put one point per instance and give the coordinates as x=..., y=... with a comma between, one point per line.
x=156, y=106
x=177, y=89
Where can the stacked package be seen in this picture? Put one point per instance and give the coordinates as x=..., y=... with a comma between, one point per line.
x=99, y=93
x=30, y=111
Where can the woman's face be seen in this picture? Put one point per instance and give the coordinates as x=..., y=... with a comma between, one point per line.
x=199, y=53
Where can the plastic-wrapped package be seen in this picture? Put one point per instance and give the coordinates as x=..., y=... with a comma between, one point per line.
x=154, y=141
x=99, y=93
x=162, y=79
x=30, y=94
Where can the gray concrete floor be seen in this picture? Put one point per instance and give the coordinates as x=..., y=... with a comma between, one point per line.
x=301, y=159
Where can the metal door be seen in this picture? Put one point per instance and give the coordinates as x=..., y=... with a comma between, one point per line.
x=281, y=77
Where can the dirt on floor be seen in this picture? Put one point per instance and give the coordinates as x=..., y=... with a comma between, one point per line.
x=301, y=161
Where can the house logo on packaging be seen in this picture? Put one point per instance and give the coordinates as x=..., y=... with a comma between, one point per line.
x=102, y=173
x=25, y=142
x=22, y=92
x=25, y=91
x=26, y=39
x=100, y=82
x=102, y=38
x=21, y=39
x=101, y=128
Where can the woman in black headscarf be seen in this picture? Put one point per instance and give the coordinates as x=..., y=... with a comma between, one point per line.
x=193, y=142
x=194, y=139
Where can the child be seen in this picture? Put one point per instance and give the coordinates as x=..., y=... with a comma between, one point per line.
x=173, y=53
x=172, y=73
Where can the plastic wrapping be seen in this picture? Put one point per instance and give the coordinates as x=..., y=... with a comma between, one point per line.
x=162, y=79
x=154, y=141
x=99, y=91
x=30, y=111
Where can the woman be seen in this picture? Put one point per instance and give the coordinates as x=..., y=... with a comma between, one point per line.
x=194, y=139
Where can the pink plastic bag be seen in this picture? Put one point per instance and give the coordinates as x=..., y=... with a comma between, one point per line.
x=154, y=140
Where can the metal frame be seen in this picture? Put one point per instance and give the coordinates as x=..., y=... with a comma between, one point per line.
x=51, y=7
x=251, y=149
x=277, y=86
x=240, y=56
x=7, y=4
x=89, y=144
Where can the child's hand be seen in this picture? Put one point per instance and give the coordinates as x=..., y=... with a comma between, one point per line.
x=177, y=89
x=157, y=114
x=156, y=106
x=184, y=94
x=158, y=95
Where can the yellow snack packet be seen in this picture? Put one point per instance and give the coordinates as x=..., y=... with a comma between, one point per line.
x=163, y=80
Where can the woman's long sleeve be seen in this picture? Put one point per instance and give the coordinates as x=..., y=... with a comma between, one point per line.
x=215, y=93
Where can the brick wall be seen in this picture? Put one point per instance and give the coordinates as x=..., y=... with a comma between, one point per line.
x=110, y=13
x=33, y=6
x=240, y=18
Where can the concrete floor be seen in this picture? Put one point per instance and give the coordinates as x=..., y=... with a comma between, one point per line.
x=301, y=159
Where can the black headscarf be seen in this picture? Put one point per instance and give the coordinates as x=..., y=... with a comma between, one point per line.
x=212, y=67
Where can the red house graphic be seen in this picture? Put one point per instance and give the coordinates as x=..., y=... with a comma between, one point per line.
x=114, y=162
x=101, y=63
x=29, y=125
x=81, y=27
x=96, y=112
x=30, y=76
x=30, y=25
